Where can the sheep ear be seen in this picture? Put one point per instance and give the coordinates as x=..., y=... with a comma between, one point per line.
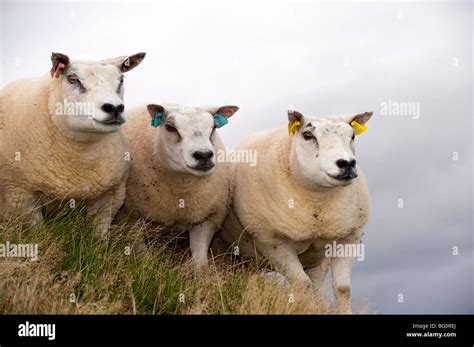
x=60, y=62
x=157, y=113
x=361, y=118
x=357, y=122
x=227, y=111
x=295, y=120
x=295, y=116
x=131, y=62
x=154, y=109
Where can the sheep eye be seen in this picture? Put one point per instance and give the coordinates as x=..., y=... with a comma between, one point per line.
x=171, y=128
x=308, y=135
x=72, y=79
x=353, y=137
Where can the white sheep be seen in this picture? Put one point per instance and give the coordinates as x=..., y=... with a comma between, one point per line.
x=61, y=139
x=304, y=193
x=175, y=179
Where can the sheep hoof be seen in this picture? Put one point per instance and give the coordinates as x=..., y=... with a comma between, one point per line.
x=275, y=277
x=200, y=267
x=346, y=309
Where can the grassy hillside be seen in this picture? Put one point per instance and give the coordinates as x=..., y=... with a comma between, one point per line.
x=77, y=273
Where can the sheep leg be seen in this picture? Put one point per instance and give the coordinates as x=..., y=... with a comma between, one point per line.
x=20, y=200
x=318, y=273
x=286, y=260
x=341, y=279
x=105, y=208
x=200, y=237
x=341, y=283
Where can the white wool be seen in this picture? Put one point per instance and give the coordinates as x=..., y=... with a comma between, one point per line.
x=277, y=213
x=161, y=188
x=57, y=159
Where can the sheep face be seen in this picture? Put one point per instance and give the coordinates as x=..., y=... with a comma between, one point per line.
x=322, y=153
x=87, y=96
x=186, y=137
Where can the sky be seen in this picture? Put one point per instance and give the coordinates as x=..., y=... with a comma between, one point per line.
x=324, y=58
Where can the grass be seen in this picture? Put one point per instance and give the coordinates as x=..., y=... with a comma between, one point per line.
x=78, y=273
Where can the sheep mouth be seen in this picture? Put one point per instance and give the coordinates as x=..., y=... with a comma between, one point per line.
x=345, y=176
x=204, y=167
x=118, y=121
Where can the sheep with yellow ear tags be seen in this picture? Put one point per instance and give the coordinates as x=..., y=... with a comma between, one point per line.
x=305, y=196
x=175, y=179
x=61, y=139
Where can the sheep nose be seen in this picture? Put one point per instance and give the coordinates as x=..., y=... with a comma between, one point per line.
x=113, y=109
x=343, y=164
x=199, y=155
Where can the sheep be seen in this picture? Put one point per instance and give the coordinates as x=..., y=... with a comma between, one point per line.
x=175, y=179
x=61, y=139
x=305, y=193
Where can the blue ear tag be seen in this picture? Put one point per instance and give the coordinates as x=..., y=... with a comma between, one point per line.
x=220, y=120
x=156, y=121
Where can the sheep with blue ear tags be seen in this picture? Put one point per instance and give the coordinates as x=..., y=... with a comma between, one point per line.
x=175, y=178
x=61, y=139
x=305, y=192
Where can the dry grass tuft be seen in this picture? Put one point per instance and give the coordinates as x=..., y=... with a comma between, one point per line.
x=76, y=273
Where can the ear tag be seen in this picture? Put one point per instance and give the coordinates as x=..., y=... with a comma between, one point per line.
x=220, y=120
x=156, y=121
x=57, y=72
x=292, y=127
x=358, y=128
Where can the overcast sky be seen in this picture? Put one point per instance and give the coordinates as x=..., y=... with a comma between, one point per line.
x=323, y=58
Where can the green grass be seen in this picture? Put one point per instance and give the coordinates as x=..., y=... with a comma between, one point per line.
x=104, y=278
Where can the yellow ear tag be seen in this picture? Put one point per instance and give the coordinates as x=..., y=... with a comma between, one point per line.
x=358, y=128
x=292, y=127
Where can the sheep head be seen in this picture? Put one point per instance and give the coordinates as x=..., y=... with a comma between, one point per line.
x=323, y=149
x=87, y=96
x=186, y=136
